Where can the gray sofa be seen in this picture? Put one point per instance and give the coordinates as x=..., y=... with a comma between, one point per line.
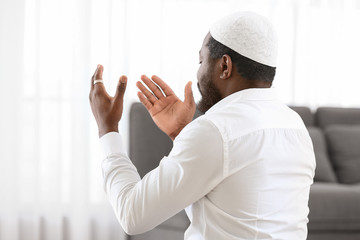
x=334, y=197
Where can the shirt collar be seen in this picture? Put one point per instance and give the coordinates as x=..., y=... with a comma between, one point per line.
x=250, y=94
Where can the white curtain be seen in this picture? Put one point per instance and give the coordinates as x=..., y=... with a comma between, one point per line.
x=50, y=178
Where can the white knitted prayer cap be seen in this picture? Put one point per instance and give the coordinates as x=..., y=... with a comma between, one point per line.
x=248, y=34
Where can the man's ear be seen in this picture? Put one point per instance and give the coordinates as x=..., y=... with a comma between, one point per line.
x=225, y=66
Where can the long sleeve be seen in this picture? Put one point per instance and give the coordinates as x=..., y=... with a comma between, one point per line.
x=192, y=169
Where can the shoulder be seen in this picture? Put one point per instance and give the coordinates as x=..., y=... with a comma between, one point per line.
x=202, y=128
x=200, y=142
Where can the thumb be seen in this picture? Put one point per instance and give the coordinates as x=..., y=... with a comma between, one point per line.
x=189, y=97
x=120, y=90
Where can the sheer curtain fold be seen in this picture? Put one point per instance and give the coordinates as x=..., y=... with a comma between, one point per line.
x=11, y=56
x=50, y=178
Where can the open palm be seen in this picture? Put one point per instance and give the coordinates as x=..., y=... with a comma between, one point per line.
x=169, y=113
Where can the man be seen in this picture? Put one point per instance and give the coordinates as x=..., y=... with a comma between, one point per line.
x=243, y=170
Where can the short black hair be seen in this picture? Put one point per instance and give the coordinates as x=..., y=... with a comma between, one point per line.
x=247, y=68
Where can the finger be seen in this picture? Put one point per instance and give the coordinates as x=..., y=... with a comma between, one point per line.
x=99, y=72
x=166, y=89
x=146, y=92
x=189, y=97
x=144, y=101
x=120, y=90
x=155, y=89
x=98, y=76
x=93, y=77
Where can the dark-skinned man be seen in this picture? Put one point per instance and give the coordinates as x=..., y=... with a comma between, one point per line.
x=243, y=170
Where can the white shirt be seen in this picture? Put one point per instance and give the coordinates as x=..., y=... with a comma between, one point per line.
x=242, y=171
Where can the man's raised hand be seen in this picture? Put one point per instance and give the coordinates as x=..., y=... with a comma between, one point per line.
x=169, y=113
x=107, y=110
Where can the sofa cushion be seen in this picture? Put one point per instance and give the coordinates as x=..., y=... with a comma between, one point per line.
x=326, y=116
x=334, y=207
x=344, y=148
x=323, y=171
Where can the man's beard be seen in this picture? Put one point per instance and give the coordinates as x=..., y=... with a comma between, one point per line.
x=210, y=95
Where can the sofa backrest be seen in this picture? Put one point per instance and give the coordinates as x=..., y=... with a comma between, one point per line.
x=326, y=116
x=148, y=144
x=306, y=115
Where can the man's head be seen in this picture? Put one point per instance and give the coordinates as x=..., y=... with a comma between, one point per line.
x=238, y=53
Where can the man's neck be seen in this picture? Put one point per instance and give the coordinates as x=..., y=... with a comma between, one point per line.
x=236, y=86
